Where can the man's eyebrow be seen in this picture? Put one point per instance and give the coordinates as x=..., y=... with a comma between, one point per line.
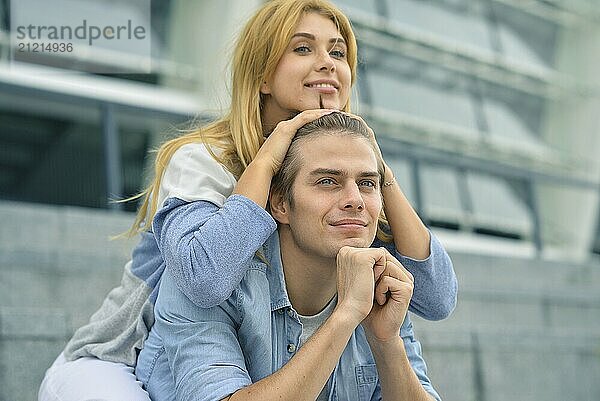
x=369, y=174
x=312, y=37
x=331, y=171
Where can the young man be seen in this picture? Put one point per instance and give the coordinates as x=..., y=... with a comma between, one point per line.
x=319, y=315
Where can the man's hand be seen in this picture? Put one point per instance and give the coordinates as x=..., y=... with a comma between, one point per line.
x=393, y=291
x=357, y=271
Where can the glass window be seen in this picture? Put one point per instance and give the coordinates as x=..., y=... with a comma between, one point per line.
x=52, y=160
x=441, y=195
x=496, y=208
x=507, y=128
x=515, y=48
x=417, y=100
x=367, y=6
x=467, y=28
x=525, y=38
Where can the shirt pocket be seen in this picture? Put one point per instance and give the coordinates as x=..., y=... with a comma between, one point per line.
x=366, y=380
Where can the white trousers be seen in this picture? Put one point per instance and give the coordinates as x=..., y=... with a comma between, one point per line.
x=90, y=379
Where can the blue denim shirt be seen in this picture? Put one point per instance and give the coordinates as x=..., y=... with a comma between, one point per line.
x=208, y=354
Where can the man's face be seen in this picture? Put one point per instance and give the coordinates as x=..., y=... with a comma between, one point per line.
x=336, y=195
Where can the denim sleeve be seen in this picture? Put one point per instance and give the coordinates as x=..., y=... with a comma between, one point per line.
x=207, y=248
x=201, y=345
x=414, y=353
x=435, y=289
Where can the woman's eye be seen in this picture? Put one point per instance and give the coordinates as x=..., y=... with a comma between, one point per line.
x=302, y=49
x=338, y=53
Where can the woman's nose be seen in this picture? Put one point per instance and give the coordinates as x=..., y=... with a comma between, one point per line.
x=325, y=62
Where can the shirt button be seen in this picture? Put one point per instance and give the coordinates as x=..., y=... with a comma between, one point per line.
x=280, y=311
x=291, y=348
x=290, y=313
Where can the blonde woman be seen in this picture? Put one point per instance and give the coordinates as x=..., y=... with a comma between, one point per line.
x=293, y=59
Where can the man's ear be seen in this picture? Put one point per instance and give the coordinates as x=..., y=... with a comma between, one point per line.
x=265, y=88
x=279, y=208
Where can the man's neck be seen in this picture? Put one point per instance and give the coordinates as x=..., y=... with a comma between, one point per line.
x=310, y=280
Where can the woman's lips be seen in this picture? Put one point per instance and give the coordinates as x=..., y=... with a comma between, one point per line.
x=328, y=87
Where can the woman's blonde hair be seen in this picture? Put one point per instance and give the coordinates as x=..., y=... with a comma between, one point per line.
x=239, y=133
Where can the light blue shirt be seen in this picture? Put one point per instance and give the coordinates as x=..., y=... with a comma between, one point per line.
x=207, y=354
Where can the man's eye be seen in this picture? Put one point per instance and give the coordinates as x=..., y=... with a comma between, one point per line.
x=368, y=183
x=326, y=181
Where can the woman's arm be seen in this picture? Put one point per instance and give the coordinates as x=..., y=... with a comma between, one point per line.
x=255, y=182
x=411, y=237
x=205, y=237
x=206, y=248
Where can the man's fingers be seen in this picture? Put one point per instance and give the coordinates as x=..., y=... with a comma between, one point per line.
x=397, y=289
x=379, y=259
x=395, y=269
x=378, y=270
x=381, y=289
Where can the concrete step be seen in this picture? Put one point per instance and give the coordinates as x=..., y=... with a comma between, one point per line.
x=30, y=340
x=47, y=229
x=488, y=271
x=60, y=257
x=496, y=365
x=79, y=291
x=493, y=308
x=514, y=315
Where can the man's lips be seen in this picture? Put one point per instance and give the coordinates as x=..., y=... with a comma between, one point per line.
x=349, y=223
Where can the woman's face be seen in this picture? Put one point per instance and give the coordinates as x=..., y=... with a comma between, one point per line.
x=312, y=73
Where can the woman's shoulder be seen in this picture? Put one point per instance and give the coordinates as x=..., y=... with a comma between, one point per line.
x=193, y=173
x=196, y=153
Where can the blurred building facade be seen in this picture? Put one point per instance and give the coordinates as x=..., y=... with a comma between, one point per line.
x=488, y=111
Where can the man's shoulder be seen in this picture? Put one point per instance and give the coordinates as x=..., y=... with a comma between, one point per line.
x=255, y=278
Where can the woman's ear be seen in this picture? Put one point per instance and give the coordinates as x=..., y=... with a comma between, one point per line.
x=265, y=89
x=279, y=208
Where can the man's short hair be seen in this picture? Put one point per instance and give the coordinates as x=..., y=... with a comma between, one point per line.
x=336, y=123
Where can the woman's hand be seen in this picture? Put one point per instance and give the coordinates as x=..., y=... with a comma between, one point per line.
x=273, y=150
x=389, y=175
x=255, y=181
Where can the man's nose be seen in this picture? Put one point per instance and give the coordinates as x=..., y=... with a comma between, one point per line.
x=352, y=198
